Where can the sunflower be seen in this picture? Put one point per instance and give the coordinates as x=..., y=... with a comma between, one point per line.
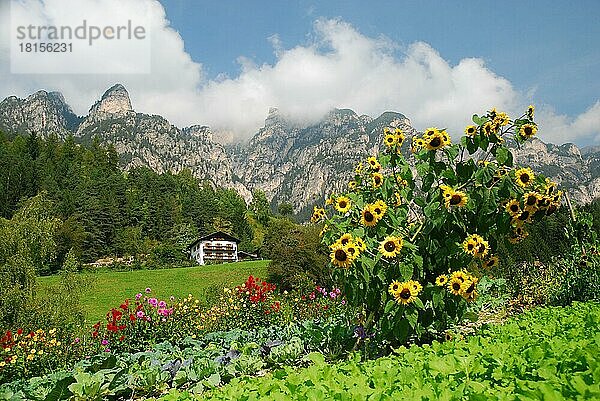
x=343, y=240
x=471, y=130
x=405, y=294
x=441, y=280
x=491, y=262
x=379, y=208
x=340, y=256
x=470, y=244
x=429, y=132
x=447, y=191
x=501, y=119
x=390, y=140
x=530, y=199
x=513, y=208
x=399, y=136
x=435, y=141
x=550, y=187
x=446, y=138
x=489, y=128
x=342, y=204
x=360, y=244
x=394, y=287
x=468, y=289
x=317, y=215
x=543, y=202
x=530, y=111
x=455, y=285
x=482, y=249
x=353, y=250
x=373, y=163
x=377, y=180
x=368, y=218
x=415, y=286
x=527, y=130
x=460, y=275
x=391, y=246
x=359, y=168
x=457, y=199
x=524, y=176
x=523, y=217
x=398, y=199
x=553, y=207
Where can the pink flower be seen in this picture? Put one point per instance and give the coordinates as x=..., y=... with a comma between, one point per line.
x=104, y=342
x=140, y=314
x=162, y=304
x=138, y=296
x=77, y=340
x=312, y=295
x=153, y=302
x=165, y=312
x=148, y=290
x=332, y=295
x=107, y=350
x=343, y=302
x=337, y=291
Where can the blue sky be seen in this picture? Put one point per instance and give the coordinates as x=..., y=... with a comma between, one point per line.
x=552, y=47
x=226, y=63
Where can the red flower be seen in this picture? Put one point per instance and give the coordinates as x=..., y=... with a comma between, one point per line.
x=121, y=338
x=95, y=334
x=131, y=317
x=122, y=327
x=116, y=314
x=96, y=326
x=111, y=327
x=125, y=305
x=20, y=331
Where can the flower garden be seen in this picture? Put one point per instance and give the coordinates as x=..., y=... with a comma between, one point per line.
x=413, y=245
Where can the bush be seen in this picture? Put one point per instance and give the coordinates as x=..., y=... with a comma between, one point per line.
x=409, y=244
x=298, y=259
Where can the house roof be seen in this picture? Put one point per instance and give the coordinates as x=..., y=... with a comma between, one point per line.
x=218, y=235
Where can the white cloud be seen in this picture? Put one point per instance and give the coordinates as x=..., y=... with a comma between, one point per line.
x=338, y=67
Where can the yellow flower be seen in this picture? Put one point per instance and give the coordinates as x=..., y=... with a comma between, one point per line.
x=530, y=199
x=379, y=208
x=406, y=294
x=360, y=244
x=399, y=136
x=373, y=163
x=471, y=130
x=447, y=191
x=352, y=185
x=394, y=287
x=524, y=177
x=491, y=262
x=391, y=246
x=513, y=208
x=30, y=357
x=343, y=240
x=359, y=168
x=530, y=111
x=377, y=180
x=470, y=244
x=342, y=204
x=550, y=187
x=398, y=198
x=501, y=119
x=415, y=285
x=455, y=285
x=527, y=130
x=435, y=141
x=390, y=140
x=340, y=257
x=368, y=218
x=441, y=280
x=457, y=199
x=317, y=215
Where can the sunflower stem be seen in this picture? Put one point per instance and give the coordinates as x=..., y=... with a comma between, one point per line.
x=417, y=232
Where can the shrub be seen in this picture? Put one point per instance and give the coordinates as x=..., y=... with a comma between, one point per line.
x=298, y=259
x=408, y=244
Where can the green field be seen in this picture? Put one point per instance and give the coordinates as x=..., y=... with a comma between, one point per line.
x=108, y=289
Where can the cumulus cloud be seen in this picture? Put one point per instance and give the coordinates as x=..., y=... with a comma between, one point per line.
x=337, y=68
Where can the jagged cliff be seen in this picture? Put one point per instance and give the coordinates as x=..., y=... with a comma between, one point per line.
x=290, y=163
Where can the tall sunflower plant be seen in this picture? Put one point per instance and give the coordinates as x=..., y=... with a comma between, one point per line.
x=410, y=239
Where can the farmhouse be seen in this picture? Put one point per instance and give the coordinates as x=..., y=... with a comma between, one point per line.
x=217, y=247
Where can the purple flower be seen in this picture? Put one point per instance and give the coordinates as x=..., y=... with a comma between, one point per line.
x=104, y=342
x=107, y=350
x=138, y=296
x=148, y=290
x=332, y=295
x=140, y=314
x=153, y=302
x=337, y=291
x=162, y=304
x=343, y=302
x=77, y=340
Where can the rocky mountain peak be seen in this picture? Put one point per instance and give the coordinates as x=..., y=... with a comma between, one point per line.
x=114, y=101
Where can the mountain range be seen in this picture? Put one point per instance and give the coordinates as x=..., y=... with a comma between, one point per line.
x=290, y=163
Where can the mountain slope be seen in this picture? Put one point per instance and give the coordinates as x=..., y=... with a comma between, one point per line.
x=290, y=163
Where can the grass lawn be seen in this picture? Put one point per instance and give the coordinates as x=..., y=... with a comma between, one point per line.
x=108, y=289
